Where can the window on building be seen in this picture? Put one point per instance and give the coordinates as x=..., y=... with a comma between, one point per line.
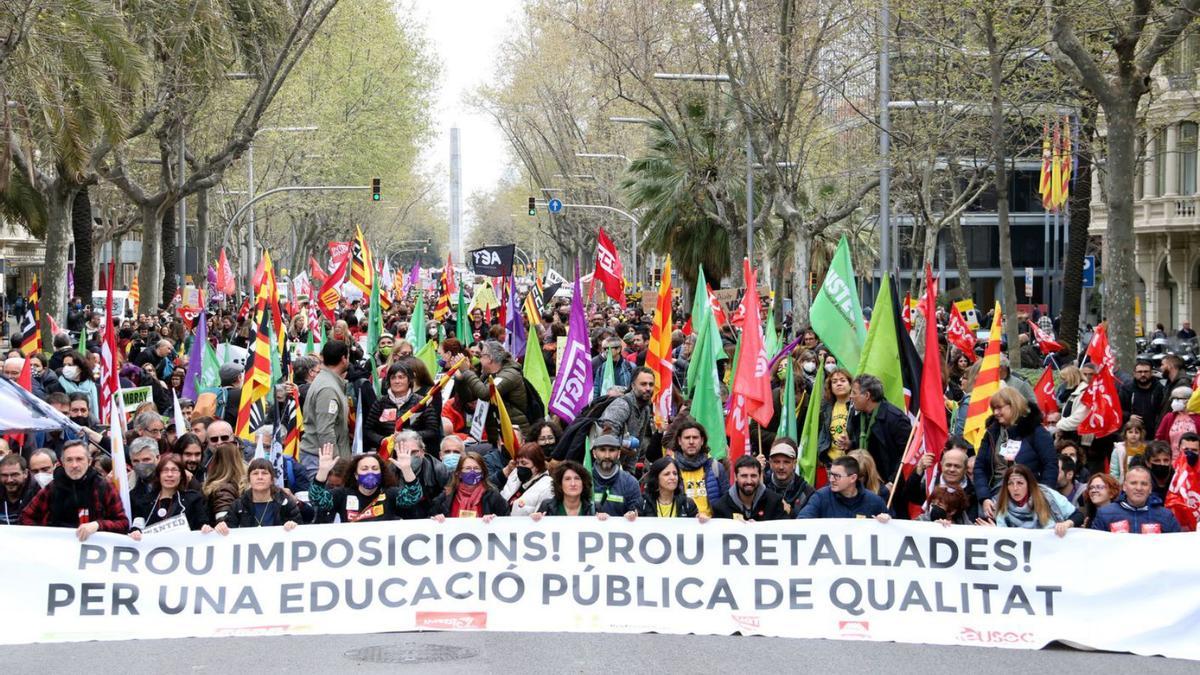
x=1187, y=158
x=1160, y=162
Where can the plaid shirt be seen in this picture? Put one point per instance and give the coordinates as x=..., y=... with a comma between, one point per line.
x=1046, y=325
x=105, y=509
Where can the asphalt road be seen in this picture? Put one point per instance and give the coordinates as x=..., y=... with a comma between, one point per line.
x=529, y=653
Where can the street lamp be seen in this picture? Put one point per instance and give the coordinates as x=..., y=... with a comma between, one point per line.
x=633, y=238
x=722, y=77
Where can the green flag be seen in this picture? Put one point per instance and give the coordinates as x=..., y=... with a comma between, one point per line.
x=771, y=342
x=417, y=335
x=428, y=355
x=276, y=367
x=309, y=347
x=374, y=318
x=462, y=328
x=324, y=338
x=836, y=315
x=702, y=375
x=787, y=403
x=608, y=377
x=811, y=434
x=534, y=369
x=881, y=354
x=210, y=368
x=699, y=308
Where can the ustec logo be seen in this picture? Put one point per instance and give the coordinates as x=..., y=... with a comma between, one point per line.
x=452, y=620
x=855, y=629
x=993, y=636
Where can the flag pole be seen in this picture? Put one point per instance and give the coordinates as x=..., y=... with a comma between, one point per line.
x=904, y=460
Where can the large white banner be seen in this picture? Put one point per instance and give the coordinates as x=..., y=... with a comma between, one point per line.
x=841, y=579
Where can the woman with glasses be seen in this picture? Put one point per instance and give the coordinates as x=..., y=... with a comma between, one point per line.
x=168, y=504
x=1014, y=437
x=1102, y=489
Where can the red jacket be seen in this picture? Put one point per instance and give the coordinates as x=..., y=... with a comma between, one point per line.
x=52, y=505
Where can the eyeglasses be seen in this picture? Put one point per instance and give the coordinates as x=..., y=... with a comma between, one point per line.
x=838, y=476
x=155, y=432
x=1097, y=488
x=219, y=439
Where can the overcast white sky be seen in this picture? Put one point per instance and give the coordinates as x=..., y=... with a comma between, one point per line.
x=466, y=36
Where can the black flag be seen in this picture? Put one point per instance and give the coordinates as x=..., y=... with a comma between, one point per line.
x=493, y=261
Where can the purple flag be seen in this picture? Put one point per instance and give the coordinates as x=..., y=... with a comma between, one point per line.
x=514, y=342
x=573, y=383
x=70, y=281
x=196, y=357
x=414, y=278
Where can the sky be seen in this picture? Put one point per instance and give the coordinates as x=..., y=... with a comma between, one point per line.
x=466, y=37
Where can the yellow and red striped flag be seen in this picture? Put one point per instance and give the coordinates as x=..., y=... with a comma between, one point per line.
x=362, y=267
x=258, y=376
x=266, y=294
x=1056, y=183
x=987, y=382
x=134, y=295
x=442, y=309
x=1044, y=187
x=658, y=354
x=31, y=323
x=1065, y=158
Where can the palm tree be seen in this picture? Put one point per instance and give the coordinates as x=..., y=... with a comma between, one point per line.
x=689, y=192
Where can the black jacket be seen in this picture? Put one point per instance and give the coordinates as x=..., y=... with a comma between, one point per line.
x=428, y=422
x=794, y=496
x=189, y=503
x=1146, y=403
x=491, y=504
x=684, y=507
x=887, y=438
x=280, y=510
x=767, y=506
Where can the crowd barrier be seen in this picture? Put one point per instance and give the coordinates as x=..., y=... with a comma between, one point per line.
x=839, y=579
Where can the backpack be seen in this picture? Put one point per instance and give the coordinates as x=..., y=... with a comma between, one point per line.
x=535, y=408
x=573, y=442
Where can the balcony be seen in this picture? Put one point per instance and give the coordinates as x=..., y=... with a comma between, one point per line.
x=1155, y=214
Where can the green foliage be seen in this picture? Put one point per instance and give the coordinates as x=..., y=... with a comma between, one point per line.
x=22, y=203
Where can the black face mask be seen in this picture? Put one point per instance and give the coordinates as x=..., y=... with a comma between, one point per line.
x=524, y=473
x=1192, y=456
x=937, y=513
x=1160, y=471
x=82, y=421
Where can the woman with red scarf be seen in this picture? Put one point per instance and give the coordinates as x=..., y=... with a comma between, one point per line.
x=469, y=494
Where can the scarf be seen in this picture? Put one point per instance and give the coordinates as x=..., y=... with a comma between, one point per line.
x=467, y=497
x=70, y=496
x=691, y=463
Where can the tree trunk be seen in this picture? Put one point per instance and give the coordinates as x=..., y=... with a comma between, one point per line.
x=1121, y=119
x=801, y=265
x=150, y=269
x=1000, y=177
x=960, y=259
x=82, y=226
x=1081, y=218
x=201, y=238
x=53, y=282
x=170, y=254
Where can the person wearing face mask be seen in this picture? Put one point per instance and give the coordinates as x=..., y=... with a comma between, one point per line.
x=529, y=484
x=1137, y=509
x=469, y=494
x=19, y=488
x=370, y=493
x=1158, y=460
x=168, y=500
x=546, y=433
x=77, y=498
x=74, y=377
x=946, y=506
x=1178, y=421
x=450, y=451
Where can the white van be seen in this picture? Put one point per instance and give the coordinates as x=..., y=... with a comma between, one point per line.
x=121, y=303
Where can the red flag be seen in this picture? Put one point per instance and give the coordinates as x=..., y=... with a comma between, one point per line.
x=959, y=334
x=906, y=311
x=1183, y=495
x=25, y=379
x=55, y=329
x=314, y=270
x=609, y=271
x=1045, y=392
x=339, y=251
x=328, y=298
x=244, y=310
x=750, y=396
x=1045, y=342
x=189, y=314
x=109, y=363
x=225, y=280
x=715, y=303
x=934, y=428
x=1104, y=408
x=448, y=276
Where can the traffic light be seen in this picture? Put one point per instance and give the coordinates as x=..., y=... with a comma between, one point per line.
x=376, y=186
x=532, y=207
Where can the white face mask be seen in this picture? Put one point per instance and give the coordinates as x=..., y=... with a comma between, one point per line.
x=830, y=367
x=810, y=367
x=71, y=373
x=43, y=479
x=1178, y=404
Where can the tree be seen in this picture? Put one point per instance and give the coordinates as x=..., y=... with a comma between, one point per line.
x=1116, y=67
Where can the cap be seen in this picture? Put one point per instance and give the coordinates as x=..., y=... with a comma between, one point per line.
x=785, y=450
x=606, y=441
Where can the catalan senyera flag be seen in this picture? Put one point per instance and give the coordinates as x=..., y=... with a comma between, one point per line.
x=986, y=384
x=31, y=324
x=134, y=294
x=258, y=375
x=1044, y=178
x=1057, y=198
x=442, y=309
x=385, y=298
x=362, y=267
x=658, y=354
x=1065, y=169
x=530, y=308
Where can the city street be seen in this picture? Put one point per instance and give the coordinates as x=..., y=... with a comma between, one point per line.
x=572, y=653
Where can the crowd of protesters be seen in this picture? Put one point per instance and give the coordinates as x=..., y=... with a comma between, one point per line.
x=1030, y=469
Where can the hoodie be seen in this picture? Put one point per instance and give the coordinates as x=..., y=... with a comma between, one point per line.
x=766, y=505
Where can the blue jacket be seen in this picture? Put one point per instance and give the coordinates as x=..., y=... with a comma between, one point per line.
x=618, y=495
x=825, y=504
x=1036, y=452
x=1125, y=518
x=622, y=373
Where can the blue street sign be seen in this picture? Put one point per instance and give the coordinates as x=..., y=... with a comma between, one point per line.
x=1089, y=271
x=555, y=205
